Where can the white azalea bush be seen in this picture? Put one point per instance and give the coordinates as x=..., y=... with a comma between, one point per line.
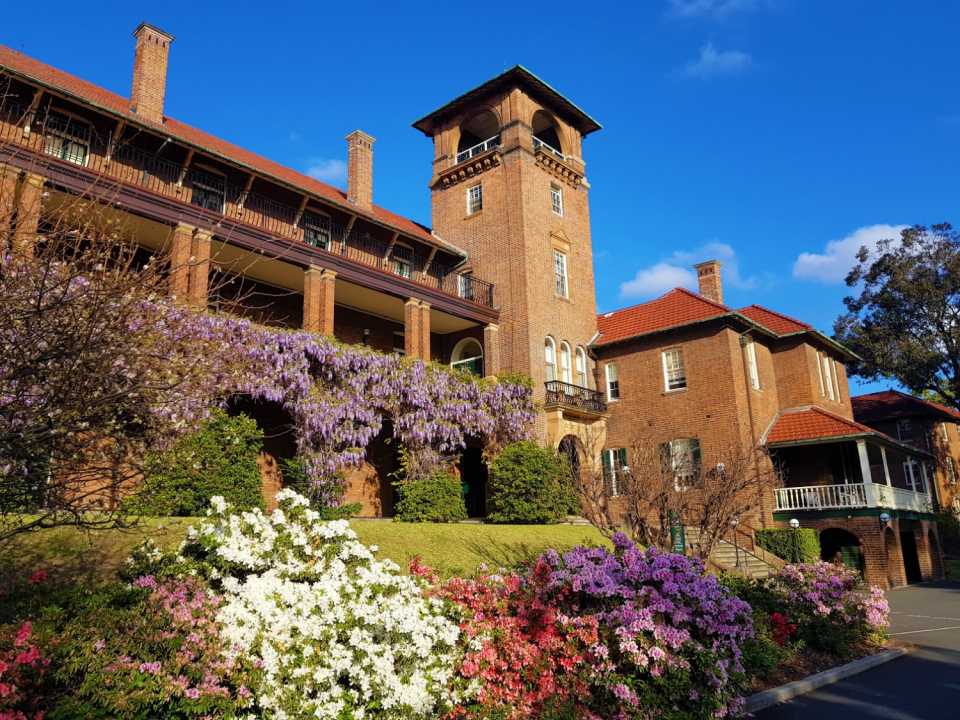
x=332, y=631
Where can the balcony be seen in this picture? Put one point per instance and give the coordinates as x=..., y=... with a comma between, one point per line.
x=850, y=496
x=478, y=149
x=574, y=397
x=540, y=145
x=101, y=167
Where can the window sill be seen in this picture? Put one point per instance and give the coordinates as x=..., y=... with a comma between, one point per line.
x=565, y=298
x=472, y=215
x=674, y=391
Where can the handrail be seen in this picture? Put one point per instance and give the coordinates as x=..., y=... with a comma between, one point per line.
x=135, y=166
x=478, y=149
x=850, y=495
x=540, y=144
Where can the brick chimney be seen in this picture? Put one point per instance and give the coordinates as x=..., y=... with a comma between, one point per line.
x=360, y=169
x=150, y=72
x=708, y=276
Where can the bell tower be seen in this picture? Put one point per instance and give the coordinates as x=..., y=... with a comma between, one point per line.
x=509, y=187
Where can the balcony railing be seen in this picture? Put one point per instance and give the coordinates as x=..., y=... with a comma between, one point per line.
x=574, y=396
x=211, y=192
x=850, y=495
x=539, y=144
x=478, y=149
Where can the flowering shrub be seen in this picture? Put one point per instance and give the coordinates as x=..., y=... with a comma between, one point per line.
x=831, y=607
x=332, y=632
x=22, y=667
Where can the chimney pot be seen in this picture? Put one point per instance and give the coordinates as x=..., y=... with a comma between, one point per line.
x=150, y=72
x=708, y=277
x=360, y=169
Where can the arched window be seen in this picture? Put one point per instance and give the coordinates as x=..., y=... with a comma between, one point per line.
x=565, y=362
x=550, y=359
x=545, y=135
x=581, y=365
x=467, y=355
x=477, y=135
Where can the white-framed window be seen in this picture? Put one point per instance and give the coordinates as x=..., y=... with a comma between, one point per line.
x=612, y=376
x=945, y=432
x=914, y=475
x=836, y=380
x=550, y=359
x=467, y=356
x=681, y=459
x=752, y=370
x=465, y=285
x=565, y=370
x=401, y=258
x=67, y=137
x=316, y=230
x=474, y=199
x=615, y=466
x=556, y=199
x=581, y=366
x=560, y=273
x=827, y=379
x=674, y=372
x=951, y=470
x=904, y=429
x=823, y=388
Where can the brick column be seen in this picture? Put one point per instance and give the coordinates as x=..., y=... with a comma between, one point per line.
x=181, y=247
x=491, y=350
x=200, y=269
x=412, y=318
x=28, y=214
x=319, y=294
x=425, y=331
x=8, y=201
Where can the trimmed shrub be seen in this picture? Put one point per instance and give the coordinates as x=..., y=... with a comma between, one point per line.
x=219, y=459
x=800, y=545
x=295, y=478
x=529, y=484
x=435, y=498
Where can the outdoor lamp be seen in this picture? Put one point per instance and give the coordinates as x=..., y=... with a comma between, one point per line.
x=734, y=521
x=884, y=518
x=794, y=523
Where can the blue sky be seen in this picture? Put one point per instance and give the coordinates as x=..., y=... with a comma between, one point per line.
x=777, y=135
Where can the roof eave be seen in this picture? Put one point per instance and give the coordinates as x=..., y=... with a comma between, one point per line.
x=731, y=315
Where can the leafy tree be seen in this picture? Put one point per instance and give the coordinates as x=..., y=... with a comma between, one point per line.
x=905, y=322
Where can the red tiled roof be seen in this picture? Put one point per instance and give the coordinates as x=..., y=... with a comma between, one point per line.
x=117, y=104
x=777, y=322
x=889, y=404
x=812, y=423
x=677, y=307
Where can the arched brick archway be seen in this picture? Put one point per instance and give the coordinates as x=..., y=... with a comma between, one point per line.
x=279, y=440
x=896, y=575
x=840, y=545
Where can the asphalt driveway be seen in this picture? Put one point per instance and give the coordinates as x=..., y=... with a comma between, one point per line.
x=923, y=685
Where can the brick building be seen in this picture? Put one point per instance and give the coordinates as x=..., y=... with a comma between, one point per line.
x=698, y=379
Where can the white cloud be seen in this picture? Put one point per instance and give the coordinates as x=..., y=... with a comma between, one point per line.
x=839, y=256
x=711, y=8
x=713, y=63
x=676, y=270
x=331, y=171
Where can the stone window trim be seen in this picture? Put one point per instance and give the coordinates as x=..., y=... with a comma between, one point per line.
x=560, y=273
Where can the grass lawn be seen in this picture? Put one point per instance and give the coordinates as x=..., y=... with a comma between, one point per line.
x=77, y=556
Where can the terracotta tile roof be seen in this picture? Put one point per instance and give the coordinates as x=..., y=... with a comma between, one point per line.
x=103, y=99
x=778, y=323
x=889, y=404
x=677, y=307
x=812, y=423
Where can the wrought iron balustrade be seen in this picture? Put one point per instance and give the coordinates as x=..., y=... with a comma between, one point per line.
x=574, y=396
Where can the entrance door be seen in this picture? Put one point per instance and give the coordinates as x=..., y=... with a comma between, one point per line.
x=473, y=475
x=911, y=560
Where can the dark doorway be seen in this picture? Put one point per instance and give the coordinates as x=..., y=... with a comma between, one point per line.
x=840, y=546
x=911, y=560
x=279, y=441
x=473, y=476
x=568, y=449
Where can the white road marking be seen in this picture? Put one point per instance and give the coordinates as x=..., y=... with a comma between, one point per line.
x=912, y=632
x=926, y=617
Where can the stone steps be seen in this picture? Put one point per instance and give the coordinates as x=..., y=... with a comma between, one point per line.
x=728, y=556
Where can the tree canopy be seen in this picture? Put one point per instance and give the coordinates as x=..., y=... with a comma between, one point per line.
x=905, y=322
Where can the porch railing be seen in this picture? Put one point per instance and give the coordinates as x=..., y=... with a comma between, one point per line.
x=478, y=149
x=851, y=495
x=574, y=396
x=539, y=144
x=111, y=163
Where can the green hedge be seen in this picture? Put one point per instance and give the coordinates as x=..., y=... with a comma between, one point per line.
x=435, y=498
x=529, y=484
x=800, y=545
x=219, y=459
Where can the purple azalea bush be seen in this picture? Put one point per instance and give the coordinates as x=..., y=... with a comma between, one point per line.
x=670, y=633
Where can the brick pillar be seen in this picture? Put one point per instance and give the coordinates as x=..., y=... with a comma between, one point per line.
x=319, y=295
x=8, y=201
x=491, y=350
x=28, y=214
x=923, y=553
x=412, y=318
x=425, y=331
x=200, y=269
x=181, y=247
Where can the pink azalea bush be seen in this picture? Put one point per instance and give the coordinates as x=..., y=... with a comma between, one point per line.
x=22, y=669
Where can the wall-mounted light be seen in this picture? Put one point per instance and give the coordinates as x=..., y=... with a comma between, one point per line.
x=794, y=523
x=884, y=519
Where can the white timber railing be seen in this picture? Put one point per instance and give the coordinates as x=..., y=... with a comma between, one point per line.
x=488, y=144
x=851, y=495
x=539, y=144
